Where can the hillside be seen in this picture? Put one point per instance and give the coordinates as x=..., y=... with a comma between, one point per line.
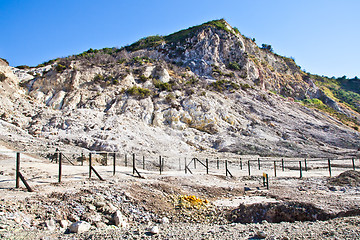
x=207, y=88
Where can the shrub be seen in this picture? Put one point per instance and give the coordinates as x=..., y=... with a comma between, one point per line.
x=60, y=68
x=151, y=41
x=121, y=61
x=163, y=86
x=169, y=97
x=192, y=81
x=99, y=77
x=222, y=85
x=267, y=47
x=138, y=92
x=2, y=77
x=234, y=66
x=23, y=67
x=143, y=78
x=5, y=60
x=245, y=86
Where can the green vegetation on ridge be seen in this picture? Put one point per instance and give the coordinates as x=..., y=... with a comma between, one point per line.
x=180, y=36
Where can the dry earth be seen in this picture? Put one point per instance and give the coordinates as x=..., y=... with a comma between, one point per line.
x=314, y=207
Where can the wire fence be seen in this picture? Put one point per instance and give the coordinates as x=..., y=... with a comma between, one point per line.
x=102, y=165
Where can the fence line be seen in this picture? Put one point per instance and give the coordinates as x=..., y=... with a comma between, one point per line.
x=211, y=166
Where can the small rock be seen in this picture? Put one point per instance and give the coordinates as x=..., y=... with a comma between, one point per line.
x=119, y=219
x=99, y=204
x=111, y=207
x=100, y=225
x=332, y=188
x=260, y=235
x=165, y=220
x=154, y=230
x=64, y=223
x=247, y=189
x=73, y=218
x=79, y=227
x=50, y=224
x=91, y=207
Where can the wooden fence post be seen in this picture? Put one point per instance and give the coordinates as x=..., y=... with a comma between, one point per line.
x=300, y=169
x=133, y=165
x=207, y=166
x=240, y=163
x=217, y=163
x=160, y=164
x=144, y=162
x=275, y=168
x=185, y=167
x=17, y=170
x=305, y=165
x=249, y=167
x=90, y=165
x=114, y=163
x=60, y=166
x=329, y=165
x=353, y=163
x=226, y=167
x=259, y=163
x=125, y=160
x=282, y=164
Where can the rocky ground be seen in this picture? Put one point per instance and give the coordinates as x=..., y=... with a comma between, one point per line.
x=176, y=205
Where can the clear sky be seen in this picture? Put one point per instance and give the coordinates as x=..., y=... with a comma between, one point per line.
x=322, y=35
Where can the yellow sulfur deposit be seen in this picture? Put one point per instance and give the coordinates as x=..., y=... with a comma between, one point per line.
x=185, y=201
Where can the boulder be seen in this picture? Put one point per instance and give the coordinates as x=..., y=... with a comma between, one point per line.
x=79, y=227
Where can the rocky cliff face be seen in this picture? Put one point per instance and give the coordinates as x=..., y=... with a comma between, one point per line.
x=207, y=88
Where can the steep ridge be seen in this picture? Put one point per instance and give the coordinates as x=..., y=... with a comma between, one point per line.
x=206, y=88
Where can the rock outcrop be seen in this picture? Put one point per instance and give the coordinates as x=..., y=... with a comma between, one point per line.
x=207, y=88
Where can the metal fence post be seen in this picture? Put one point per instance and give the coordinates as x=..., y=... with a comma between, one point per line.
x=300, y=169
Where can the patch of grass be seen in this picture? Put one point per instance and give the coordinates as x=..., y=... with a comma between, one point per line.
x=139, y=92
x=163, y=86
x=143, y=78
x=192, y=81
x=187, y=33
x=142, y=60
x=23, y=67
x=148, y=42
x=318, y=104
x=222, y=85
x=60, y=68
x=121, y=61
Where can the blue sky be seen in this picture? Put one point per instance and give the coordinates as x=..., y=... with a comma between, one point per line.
x=322, y=35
